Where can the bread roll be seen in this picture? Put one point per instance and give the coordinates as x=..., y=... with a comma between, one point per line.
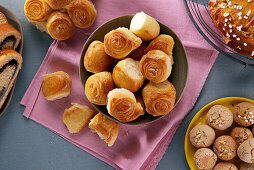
x=120, y=42
x=58, y=4
x=56, y=85
x=123, y=105
x=9, y=37
x=98, y=86
x=59, y=26
x=37, y=10
x=138, y=53
x=141, y=102
x=159, y=98
x=156, y=66
x=144, y=26
x=106, y=129
x=164, y=43
x=95, y=59
x=3, y=19
x=77, y=117
x=126, y=74
x=82, y=13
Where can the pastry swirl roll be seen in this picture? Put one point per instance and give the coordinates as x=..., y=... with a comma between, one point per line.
x=58, y=4
x=164, y=43
x=95, y=59
x=126, y=74
x=3, y=19
x=82, y=13
x=37, y=10
x=9, y=37
x=59, y=26
x=123, y=105
x=156, y=66
x=159, y=98
x=98, y=86
x=120, y=42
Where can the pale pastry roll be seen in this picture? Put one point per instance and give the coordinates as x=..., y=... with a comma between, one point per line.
x=141, y=102
x=123, y=105
x=98, y=86
x=60, y=26
x=144, y=26
x=156, y=66
x=126, y=74
x=58, y=4
x=120, y=42
x=56, y=85
x=9, y=37
x=159, y=98
x=37, y=10
x=77, y=117
x=164, y=43
x=138, y=53
x=95, y=59
x=82, y=13
x=106, y=129
x=42, y=26
x=3, y=19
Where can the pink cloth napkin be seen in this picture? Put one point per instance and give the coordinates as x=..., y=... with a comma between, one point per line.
x=144, y=145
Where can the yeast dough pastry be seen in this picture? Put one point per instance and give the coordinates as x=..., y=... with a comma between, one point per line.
x=9, y=37
x=58, y=4
x=10, y=64
x=3, y=19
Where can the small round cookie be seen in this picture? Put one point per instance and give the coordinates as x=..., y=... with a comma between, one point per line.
x=246, y=166
x=219, y=117
x=246, y=151
x=244, y=114
x=202, y=136
x=225, y=166
x=241, y=134
x=204, y=158
x=225, y=147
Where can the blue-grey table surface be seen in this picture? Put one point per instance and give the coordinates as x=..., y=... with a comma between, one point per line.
x=26, y=145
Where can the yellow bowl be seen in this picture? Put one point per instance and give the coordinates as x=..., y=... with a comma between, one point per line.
x=200, y=118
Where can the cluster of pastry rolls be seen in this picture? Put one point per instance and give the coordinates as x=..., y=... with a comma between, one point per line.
x=60, y=17
x=138, y=80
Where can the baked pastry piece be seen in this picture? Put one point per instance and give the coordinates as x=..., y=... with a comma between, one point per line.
x=95, y=59
x=244, y=114
x=205, y=158
x=126, y=74
x=10, y=64
x=225, y=166
x=106, y=129
x=234, y=19
x=3, y=19
x=123, y=105
x=241, y=134
x=9, y=37
x=164, y=43
x=58, y=4
x=156, y=66
x=60, y=26
x=77, y=117
x=144, y=26
x=138, y=53
x=98, y=86
x=245, y=151
x=159, y=98
x=82, y=13
x=120, y=42
x=56, y=85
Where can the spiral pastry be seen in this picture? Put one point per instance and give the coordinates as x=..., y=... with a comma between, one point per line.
x=98, y=86
x=59, y=26
x=159, y=98
x=82, y=13
x=58, y=4
x=155, y=66
x=120, y=42
x=37, y=10
x=164, y=43
x=123, y=106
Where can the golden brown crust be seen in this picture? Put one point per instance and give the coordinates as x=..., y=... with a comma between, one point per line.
x=77, y=117
x=57, y=4
x=106, y=128
x=37, y=10
x=95, y=59
x=98, y=86
x=159, y=98
x=82, y=13
x=138, y=53
x=56, y=85
x=164, y=43
x=235, y=20
x=7, y=30
x=120, y=42
x=155, y=66
x=60, y=26
x=3, y=19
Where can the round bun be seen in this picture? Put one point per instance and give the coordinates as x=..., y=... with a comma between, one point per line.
x=246, y=151
x=204, y=158
x=225, y=166
x=241, y=134
x=244, y=114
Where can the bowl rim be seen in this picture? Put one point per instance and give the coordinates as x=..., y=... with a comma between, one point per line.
x=184, y=51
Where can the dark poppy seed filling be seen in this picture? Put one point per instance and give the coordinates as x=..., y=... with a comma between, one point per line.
x=7, y=41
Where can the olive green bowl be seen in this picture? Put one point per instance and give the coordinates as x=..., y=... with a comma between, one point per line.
x=14, y=21
x=178, y=77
